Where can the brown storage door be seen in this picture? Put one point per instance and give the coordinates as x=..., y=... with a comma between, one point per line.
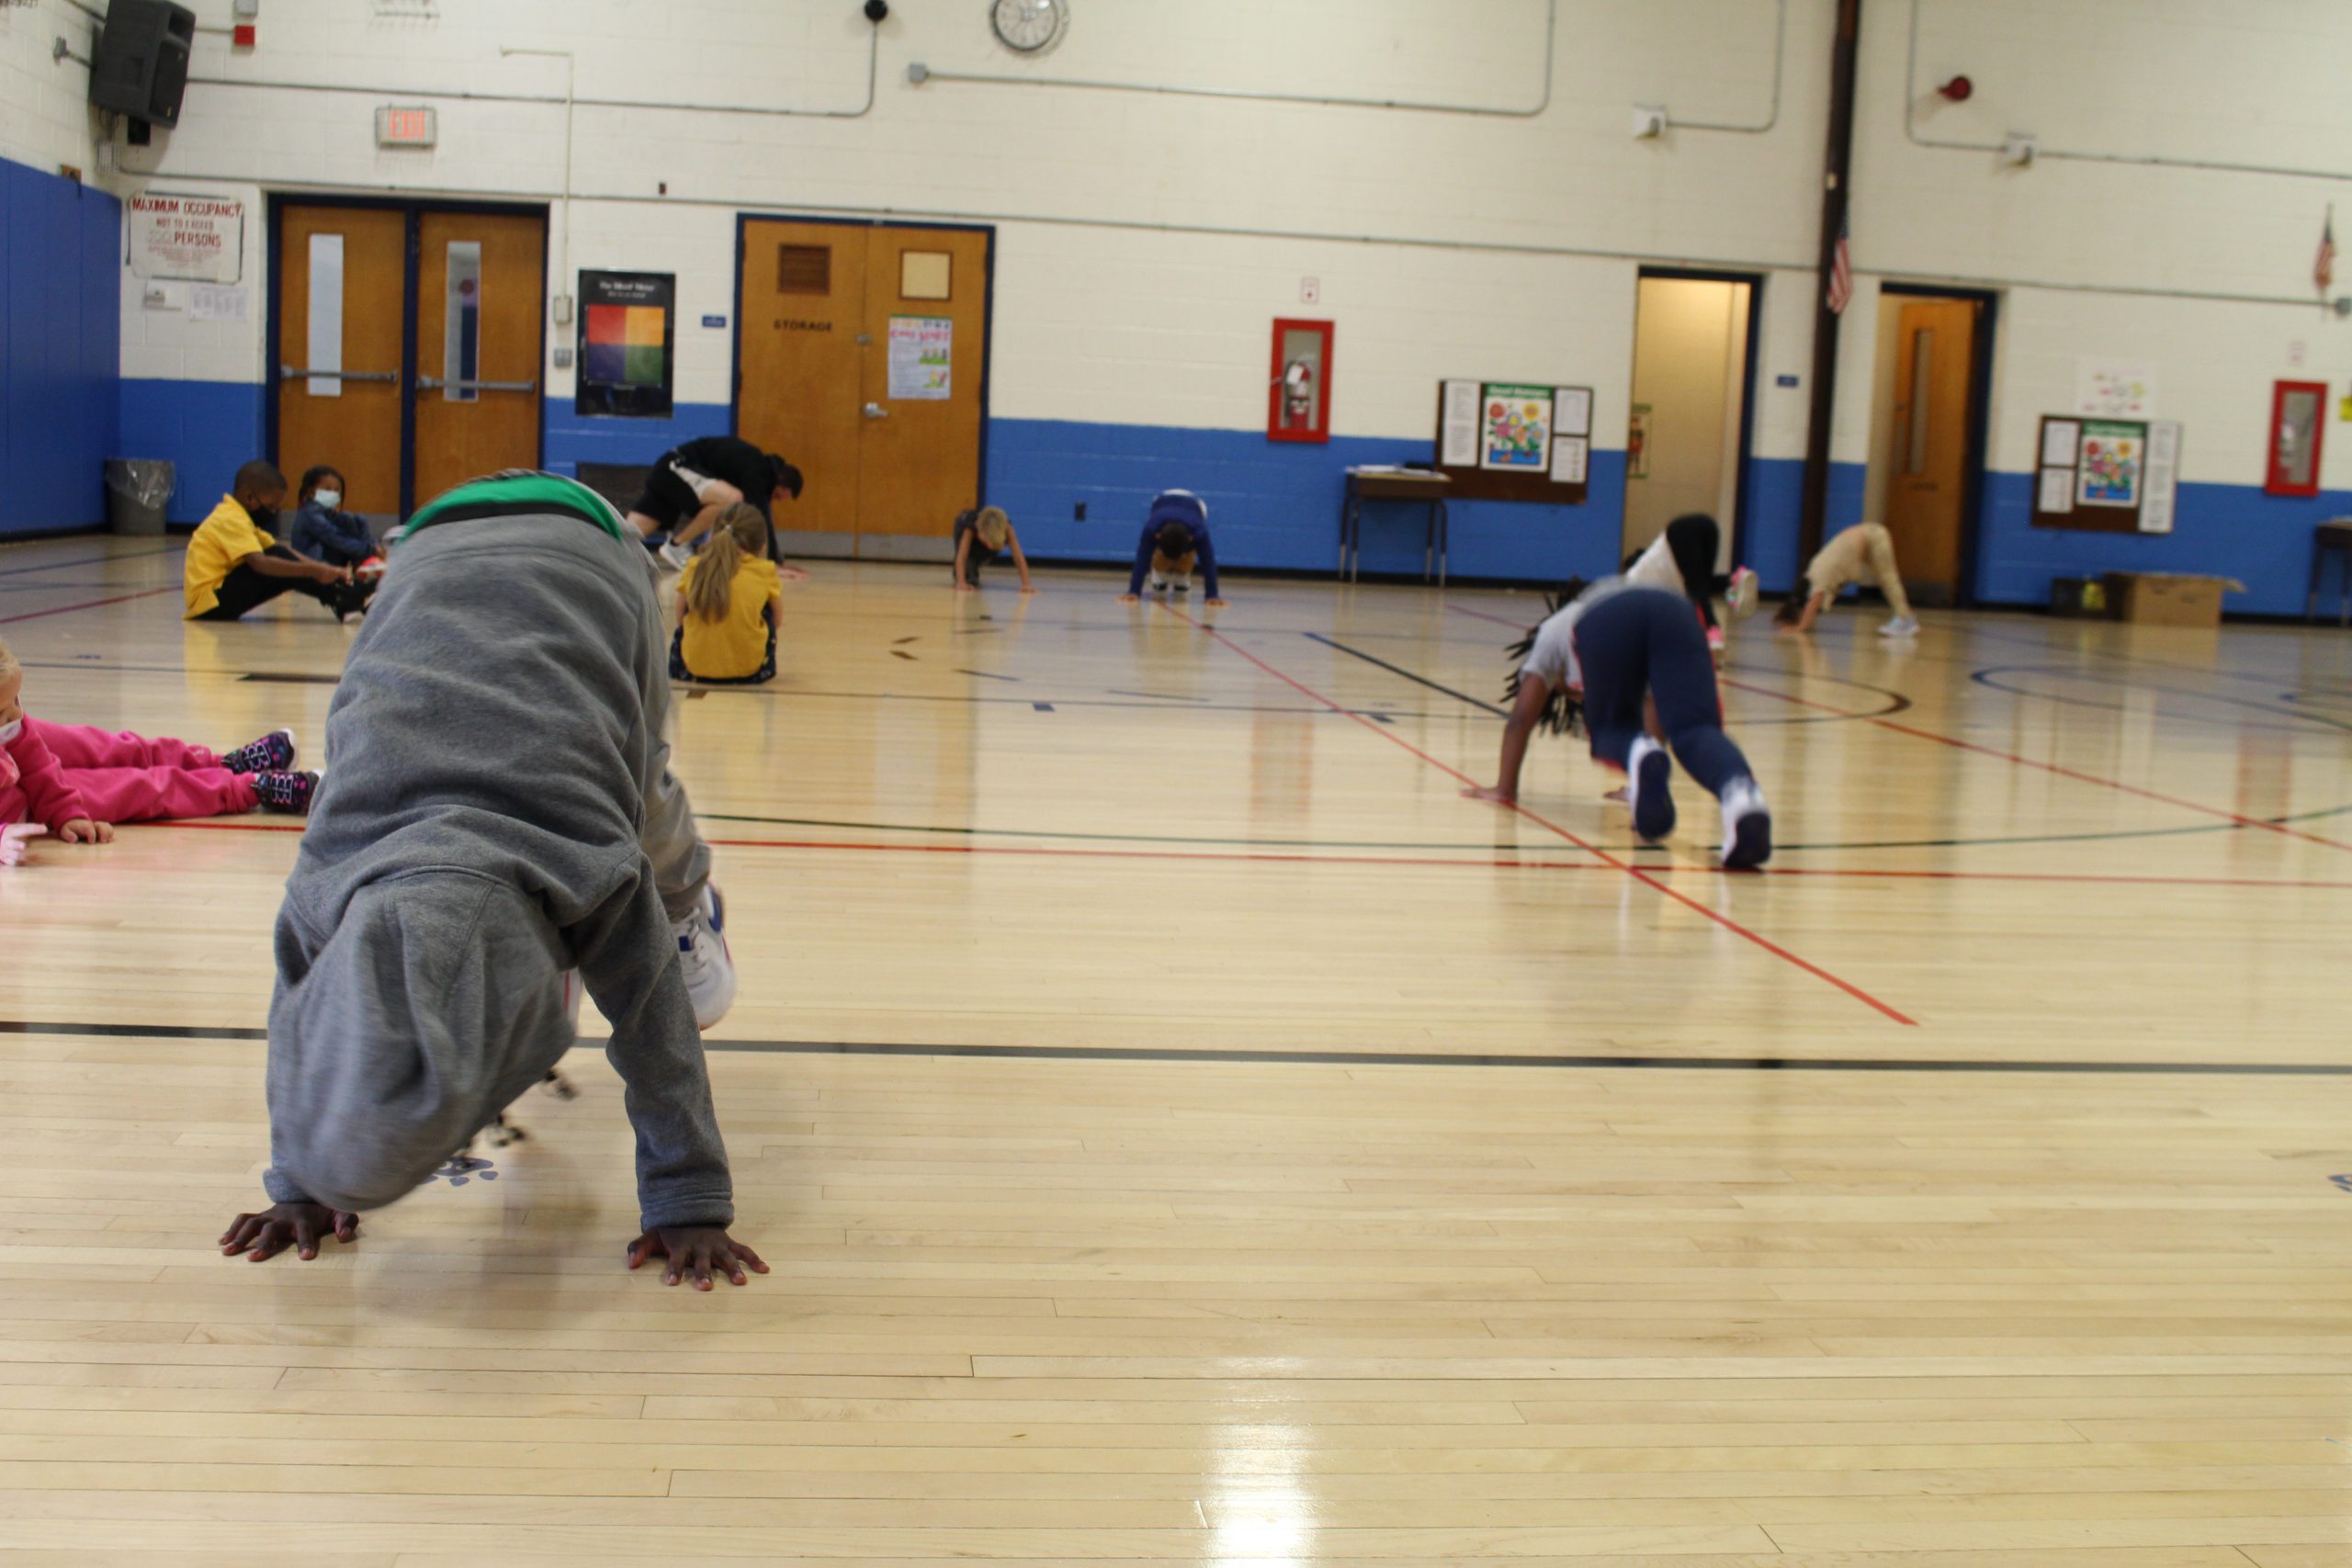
x=352, y=420
x=921, y=453
x=1934, y=360
x=798, y=382
x=480, y=296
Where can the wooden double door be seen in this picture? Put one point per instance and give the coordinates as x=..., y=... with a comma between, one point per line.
x=408, y=346
x=862, y=358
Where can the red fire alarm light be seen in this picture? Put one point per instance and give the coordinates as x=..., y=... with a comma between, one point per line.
x=1957, y=89
x=241, y=35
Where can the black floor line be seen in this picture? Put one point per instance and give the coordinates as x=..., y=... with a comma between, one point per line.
x=1353, y=1058
x=1399, y=670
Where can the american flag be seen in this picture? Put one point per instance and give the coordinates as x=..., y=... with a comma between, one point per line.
x=2323, y=266
x=1841, y=271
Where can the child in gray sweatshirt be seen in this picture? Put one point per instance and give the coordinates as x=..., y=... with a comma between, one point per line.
x=499, y=810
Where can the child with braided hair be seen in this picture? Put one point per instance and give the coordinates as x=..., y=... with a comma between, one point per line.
x=1607, y=656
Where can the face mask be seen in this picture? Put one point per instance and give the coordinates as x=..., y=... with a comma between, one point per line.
x=263, y=516
x=330, y=499
x=10, y=730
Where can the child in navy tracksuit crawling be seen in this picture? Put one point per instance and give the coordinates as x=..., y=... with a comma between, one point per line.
x=501, y=813
x=1594, y=664
x=1175, y=539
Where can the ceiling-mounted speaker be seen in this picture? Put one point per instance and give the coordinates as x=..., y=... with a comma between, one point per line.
x=139, y=64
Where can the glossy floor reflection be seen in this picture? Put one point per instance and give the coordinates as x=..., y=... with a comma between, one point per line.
x=1188, y=1131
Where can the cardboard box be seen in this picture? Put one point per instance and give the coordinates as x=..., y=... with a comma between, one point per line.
x=2166, y=599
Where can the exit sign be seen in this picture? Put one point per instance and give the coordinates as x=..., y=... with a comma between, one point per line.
x=404, y=126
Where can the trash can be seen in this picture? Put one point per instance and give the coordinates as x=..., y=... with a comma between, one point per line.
x=137, y=490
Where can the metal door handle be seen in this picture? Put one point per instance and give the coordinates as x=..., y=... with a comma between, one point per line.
x=287, y=372
x=876, y=411
x=434, y=384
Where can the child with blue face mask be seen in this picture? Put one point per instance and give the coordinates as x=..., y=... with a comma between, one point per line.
x=321, y=529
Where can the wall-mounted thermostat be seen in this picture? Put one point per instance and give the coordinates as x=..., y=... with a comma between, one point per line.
x=406, y=125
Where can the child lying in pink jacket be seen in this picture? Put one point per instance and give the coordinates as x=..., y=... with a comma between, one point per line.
x=78, y=782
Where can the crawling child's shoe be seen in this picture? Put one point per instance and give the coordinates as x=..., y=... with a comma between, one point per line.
x=273, y=753
x=702, y=954
x=288, y=794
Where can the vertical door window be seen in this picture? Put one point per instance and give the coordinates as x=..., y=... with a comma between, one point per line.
x=461, y=324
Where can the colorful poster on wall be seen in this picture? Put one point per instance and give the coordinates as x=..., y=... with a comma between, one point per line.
x=922, y=353
x=2117, y=388
x=1637, y=443
x=628, y=335
x=1516, y=434
x=2110, y=471
x=200, y=238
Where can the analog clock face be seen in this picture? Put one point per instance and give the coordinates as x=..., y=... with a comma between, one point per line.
x=1028, y=25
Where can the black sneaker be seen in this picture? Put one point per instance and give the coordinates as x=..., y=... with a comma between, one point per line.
x=288, y=794
x=273, y=753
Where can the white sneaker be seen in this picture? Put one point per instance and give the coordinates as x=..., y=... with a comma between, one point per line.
x=702, y=954
x=1748, y=827
x=677, y=554
x=1648, y=770
x=1901, y=625
x=1181, y=584
x=1157, y=584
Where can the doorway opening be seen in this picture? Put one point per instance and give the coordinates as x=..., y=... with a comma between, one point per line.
x=1693, y=404
x=405, y=345
x=1928, y=397
x=861, y=355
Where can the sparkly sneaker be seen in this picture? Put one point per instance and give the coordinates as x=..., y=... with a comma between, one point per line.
x=702, y=954
x=1648, y=769
x=1741, y=596
x=273, y=753
x=1748, y=827
x=287, y=794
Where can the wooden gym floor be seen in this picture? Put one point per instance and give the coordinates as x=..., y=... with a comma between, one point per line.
x=1187, y=1131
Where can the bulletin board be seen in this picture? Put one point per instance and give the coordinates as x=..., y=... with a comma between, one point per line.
x=1515, y=440
x=2106, y=476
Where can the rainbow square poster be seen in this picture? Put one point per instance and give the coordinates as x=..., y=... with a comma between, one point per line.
x=628, y=333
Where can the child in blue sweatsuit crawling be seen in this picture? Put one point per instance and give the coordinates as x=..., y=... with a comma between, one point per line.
x=1175, y=539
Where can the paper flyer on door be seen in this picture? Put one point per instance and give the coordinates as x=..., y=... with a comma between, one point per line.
x=922, y=351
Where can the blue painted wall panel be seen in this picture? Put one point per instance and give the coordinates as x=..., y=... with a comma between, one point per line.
x=1274, y=504
x=2264, y=541
x=204, y=428
x=570, y=439
x=60, y=335
x=1775, y=502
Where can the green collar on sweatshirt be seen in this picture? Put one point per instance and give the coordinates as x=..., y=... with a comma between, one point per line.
x=518, y=490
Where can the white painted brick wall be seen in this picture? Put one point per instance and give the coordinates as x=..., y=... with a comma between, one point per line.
x=1101, y=317
x=44, y=115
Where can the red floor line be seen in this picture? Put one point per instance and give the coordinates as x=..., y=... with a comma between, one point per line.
x=92, y=604
x=2064, y=772
x=1470, y=862
x=1636, y=873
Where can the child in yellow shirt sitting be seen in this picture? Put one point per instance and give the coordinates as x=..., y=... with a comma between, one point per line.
x=234, y=564
x=728, y=598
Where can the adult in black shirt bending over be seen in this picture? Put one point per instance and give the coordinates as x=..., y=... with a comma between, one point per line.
x=692, y=484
